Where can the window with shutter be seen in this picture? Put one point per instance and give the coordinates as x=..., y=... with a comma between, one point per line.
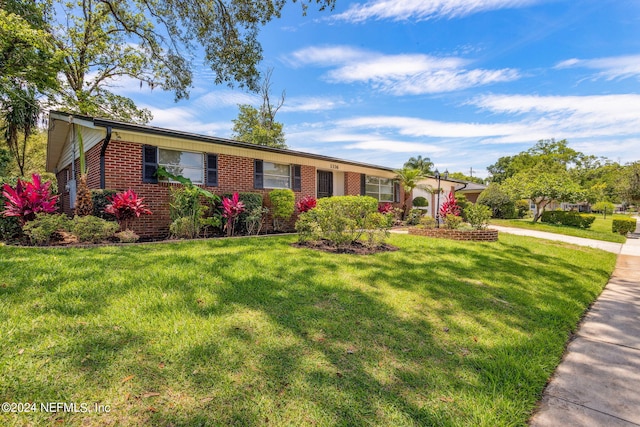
x=212, y=170
x=258, y=176
x=297, y=178
x=149, y=164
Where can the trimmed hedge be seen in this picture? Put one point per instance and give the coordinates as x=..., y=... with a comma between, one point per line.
x=623, y=225
x=569, y=218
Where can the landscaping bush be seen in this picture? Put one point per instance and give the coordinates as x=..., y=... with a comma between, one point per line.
x=428, y=221
x=306, y=204
x=452, y=221
x=126, y=207
x=231, y=210
x=247, y=221
x=463, y=203
x=9, y=225
x=44, y=227
x=522, y=208
x=623, y=225
x=343, y=220
x=254, y=220
x=127, y=236
x=498, y=201
x=414, y=215
x=186, y=212
x=92, y=229
x=478, y=216
x=568, y=218
x=100, y=200
x=27, y=198
x=420, y=202
x=282, y=206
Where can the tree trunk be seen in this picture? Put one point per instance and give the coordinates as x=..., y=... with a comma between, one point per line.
x=84, y=204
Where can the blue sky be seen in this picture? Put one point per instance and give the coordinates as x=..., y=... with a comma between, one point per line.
x=462, y=82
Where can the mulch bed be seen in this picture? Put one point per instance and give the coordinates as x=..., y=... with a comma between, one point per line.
x=356, y=248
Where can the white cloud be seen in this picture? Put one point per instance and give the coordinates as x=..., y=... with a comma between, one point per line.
x=403, y=74
x=421, y=10
x=611, y=68
x=186, y=119
x=394, y=146
x=311, y=104
x=225, y=98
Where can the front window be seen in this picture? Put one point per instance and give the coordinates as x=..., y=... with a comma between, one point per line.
x=276, y=175
x=183, y=163
x=379, y=188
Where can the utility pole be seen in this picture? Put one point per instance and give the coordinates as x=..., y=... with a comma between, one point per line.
x=471, y=171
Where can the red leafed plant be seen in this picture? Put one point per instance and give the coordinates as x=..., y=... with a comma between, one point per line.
x=385, y=208
x=28, y=198
x=231, y=210
x=306, y=204
x=449, y=206
x=126, y=207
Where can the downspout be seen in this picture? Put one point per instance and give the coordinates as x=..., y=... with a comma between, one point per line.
x=103, y=152
x=461, y=188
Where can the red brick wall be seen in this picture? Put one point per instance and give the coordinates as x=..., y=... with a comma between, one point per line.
x=445, y=233
x=124, y=170
x=351, y=184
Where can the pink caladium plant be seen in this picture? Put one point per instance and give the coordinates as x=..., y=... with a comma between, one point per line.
x=126, y=207
x=450, y=206
x=29, y=198
x=231, y=209
x=306, y=204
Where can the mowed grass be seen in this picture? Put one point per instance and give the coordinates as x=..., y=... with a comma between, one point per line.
x=599, y=230
x=252, y=331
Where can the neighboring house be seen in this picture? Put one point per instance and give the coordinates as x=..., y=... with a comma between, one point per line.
x=123, y=155
x=429, y=191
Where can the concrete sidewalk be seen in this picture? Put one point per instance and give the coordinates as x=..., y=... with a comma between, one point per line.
x=598, y=381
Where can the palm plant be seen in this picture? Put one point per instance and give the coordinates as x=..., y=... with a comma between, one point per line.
x=410, y=179
x=424, y=164
x=20, y=112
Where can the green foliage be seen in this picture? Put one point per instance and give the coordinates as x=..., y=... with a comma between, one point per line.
x=478, y=215
x=10, y=228
x=414, y=216
x=569, y=218
x=606, y=208
x=423, y=164
x=623, y=225
x=522, y=208
x=428, y=221
x=186, y=212
x=100, y=201
x=496, y=199
x=282, y=206
x=343, y=220
x=463, y=203
x=628, y=185
x=252, y=205
x=463, y=177
x=252, y=126
x=409, y=180
x=543, y=188
x=127, y=236
x=254, y=219
x=44, y=227
x=420, y=202
x=452, y=221
x=92, y=229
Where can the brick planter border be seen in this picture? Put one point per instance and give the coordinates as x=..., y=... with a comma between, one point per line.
x=468, y=235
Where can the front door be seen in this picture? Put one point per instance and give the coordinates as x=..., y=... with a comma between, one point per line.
x=325, y=184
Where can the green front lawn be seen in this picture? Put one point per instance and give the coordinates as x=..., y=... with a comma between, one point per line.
x=600, y=229
x=252, y=331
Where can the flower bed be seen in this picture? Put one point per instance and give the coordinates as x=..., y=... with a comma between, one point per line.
x=445, y=233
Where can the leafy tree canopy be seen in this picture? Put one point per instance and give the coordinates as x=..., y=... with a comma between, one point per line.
x=151, y=41
x=463, y=177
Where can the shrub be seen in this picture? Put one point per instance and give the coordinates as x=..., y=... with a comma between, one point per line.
x=343, y=220
x=92, y=229
x=420, y=202
x=623, y=225
x=126, y=207
x=463, y=203
x=498, y=201
x=282, y=206
x=414, y=215
x=478, y=216
x=522, y=208
x=100, y=199
x=452, y=221
x=251, y=201
x=27, y=199
x=306, y=204
x=254, y=220
x=127, y=236
x=568, y=218
x=428, y=221
x=231, y=210
x=44, y=227
x=9, y=225
x=186, y=212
